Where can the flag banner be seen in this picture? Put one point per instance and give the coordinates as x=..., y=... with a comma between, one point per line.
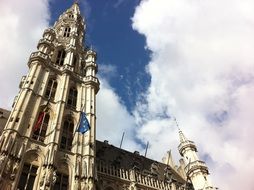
x=84, y=124
x=39, y=121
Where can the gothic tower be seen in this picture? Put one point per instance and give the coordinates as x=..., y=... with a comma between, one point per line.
x=196, y=170
x=39, y=147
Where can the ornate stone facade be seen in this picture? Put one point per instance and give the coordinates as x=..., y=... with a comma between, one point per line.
x=39, y=146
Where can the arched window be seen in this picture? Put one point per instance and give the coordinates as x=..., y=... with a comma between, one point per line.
x=60, y=57
x=72, y=98
x=62, y=181
x=67, y=32
x=27, y=177
x=40, y=128
x=67, y=135
x=51, y=89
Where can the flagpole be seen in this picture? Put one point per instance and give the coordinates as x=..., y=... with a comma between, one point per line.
x=122, y=140
x=81, y=111
x=42, y=122
x=146, y=147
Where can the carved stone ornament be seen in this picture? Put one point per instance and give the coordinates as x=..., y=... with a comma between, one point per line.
x=49, y=177
x=14, y=170
x=42, y=178
x=132, y=186
x=2, y=158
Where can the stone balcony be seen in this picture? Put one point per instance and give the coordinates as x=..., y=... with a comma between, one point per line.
x=196, y=165
x=91, y=79
x=44, y=41
x=38, y=56
x=186, y=144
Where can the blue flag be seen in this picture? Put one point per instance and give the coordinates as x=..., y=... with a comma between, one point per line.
x=84, y=124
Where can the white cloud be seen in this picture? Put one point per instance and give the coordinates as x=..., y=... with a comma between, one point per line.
x=108, y=71
x=202, y=71
x=113, y=119
x=22, y=24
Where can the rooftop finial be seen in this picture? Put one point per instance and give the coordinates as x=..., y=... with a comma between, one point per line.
x=176, y=123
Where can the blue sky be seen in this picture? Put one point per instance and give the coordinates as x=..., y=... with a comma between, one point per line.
x=110, y=33
x=157, y=58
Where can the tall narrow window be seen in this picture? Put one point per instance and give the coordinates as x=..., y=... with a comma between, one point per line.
x=40, y=128
x=74, y=63
x=60, y=57
x=62, y=182
x=72, y=98
x=51, y=89
x=67, y=32
x=67, y=135
x=27, y=177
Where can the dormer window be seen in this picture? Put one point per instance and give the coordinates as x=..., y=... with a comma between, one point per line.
x=67, y=32
x=60, y=57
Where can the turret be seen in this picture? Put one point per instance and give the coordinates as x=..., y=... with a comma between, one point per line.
x=196, y=170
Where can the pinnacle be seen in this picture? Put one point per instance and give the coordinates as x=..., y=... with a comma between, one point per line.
x=75, y=7
x=182, y=136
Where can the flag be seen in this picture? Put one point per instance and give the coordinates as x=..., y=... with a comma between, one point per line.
x=84, y=124
x=39, y=121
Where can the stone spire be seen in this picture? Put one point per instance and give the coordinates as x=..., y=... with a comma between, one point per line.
x=75, y=8
x=182, y=136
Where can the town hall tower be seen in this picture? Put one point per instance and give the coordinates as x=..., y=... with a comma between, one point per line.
x=39, y=146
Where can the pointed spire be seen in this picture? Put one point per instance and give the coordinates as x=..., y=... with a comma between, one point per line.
x=170, y=159
x=75, y=7
x=182, y=136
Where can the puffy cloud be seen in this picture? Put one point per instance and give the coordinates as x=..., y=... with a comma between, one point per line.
x=202, y=71
x=22, y=23
x=113, y=119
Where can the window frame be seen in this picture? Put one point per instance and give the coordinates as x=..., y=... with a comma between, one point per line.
x=27, y=175
x=67, y=134
x=40, y=134
x=60, y=57
x=51, y=89
x=67, y=31
x=60, y=180
x=72, y=97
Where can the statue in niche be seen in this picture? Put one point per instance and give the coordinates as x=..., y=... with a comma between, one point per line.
x=14, y=170
x=84, y=169
x=168, y=175
x=49, y=178
x=7, y=169
x=2, y=158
